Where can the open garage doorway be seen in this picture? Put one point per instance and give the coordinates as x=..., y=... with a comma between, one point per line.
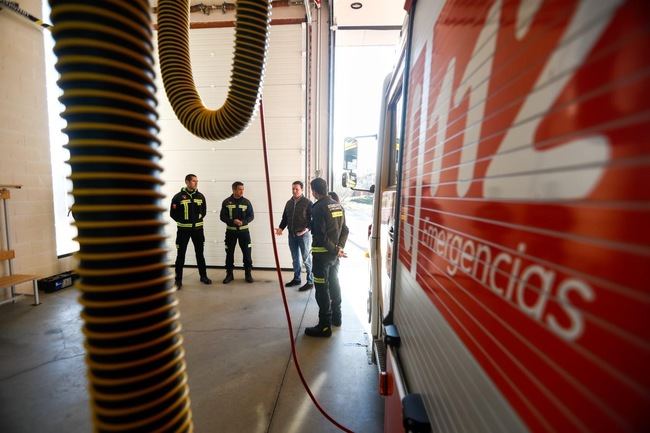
x=363, y=59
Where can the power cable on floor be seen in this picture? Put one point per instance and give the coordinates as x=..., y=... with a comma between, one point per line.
x=279, y=272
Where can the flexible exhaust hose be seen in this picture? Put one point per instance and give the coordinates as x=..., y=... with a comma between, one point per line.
x=251, y=42
x=135, y=359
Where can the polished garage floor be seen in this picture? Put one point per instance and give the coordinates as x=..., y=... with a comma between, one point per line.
x=238, y=354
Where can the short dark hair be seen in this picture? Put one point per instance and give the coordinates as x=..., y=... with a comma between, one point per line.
x=334, y=196
x=319, y=185
x=236, y=184
x=189, y=177
x=299, y=183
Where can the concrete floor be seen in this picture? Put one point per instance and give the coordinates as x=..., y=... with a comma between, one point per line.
x=242, y=378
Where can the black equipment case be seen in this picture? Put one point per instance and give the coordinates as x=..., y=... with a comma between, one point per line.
x=57, y=282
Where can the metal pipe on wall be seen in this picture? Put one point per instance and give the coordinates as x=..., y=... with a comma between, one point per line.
x=331, y=83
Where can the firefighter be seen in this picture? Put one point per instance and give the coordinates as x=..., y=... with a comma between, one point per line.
x=188, y=209
x=237, y=213
x=329, y=234
x=334, y=273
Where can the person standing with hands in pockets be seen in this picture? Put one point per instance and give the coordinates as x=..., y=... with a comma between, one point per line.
x=297, y=218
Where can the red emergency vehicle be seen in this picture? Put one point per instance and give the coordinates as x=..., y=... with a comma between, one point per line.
x=510, y=244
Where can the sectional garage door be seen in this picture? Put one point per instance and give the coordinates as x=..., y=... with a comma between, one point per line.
x=218, y=164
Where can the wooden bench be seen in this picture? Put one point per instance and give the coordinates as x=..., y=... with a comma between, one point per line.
x=7, y=255
x=14, y=279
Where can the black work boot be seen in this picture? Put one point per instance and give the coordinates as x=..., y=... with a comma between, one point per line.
x=206, y=280
x=319, y=331
x=178, y=284
x=229, y=277
x=336, y=317
x=249, y=276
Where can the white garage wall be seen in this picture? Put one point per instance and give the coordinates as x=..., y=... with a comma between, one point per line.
x=24, y=147
x=218, y=164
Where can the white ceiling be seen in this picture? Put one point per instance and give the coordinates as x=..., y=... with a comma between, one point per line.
x=373, y=13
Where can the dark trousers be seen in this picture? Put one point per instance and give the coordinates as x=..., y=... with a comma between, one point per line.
x=335, y=290
x=328, y=290
x=244, y=239
x=198, y=240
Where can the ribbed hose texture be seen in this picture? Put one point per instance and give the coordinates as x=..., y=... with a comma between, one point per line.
x=251, y=43
x=135, y=359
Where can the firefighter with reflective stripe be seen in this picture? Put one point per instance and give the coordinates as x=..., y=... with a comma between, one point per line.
x=188, y=209
x=237, y=213
x=329, y=234
x=334, y=284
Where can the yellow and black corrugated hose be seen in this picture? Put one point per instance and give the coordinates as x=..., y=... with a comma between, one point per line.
x=135, y=357
x=251, y=41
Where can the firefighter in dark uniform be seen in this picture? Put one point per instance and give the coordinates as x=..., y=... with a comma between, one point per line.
x=334, y=272
x=188, y=209
x=237, y=213
x=329, y=234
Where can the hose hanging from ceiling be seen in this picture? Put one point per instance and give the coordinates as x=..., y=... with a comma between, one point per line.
x=15, y=7
x=135, y=358
x=251, y=42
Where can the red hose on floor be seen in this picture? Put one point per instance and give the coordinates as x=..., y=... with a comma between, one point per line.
x=284, y=295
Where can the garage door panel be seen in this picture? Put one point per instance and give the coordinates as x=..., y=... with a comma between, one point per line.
x=218, y=164
x=229, y=165
x=284, y=132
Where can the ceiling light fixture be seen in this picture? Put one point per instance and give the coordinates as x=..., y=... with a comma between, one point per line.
x=356, y=5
